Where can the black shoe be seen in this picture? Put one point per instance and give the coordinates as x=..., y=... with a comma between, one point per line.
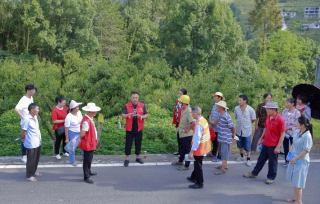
x=93, y=173
x=195, y=186
x=139, y=160
x=89, y=181
x=126, y=163
x=191, y=180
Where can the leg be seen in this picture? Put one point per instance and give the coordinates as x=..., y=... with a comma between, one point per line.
x=31, y=162
x=137, y=143
x=178, y=140
x=273, y=163
x=90, y=158
x=182, y=149
x=72, y=155
x=38, y=151
x=247, y=146
x=256, y=137
x=198, y=170
x=88, y=155
x=263, y=157
x=298, y=193
x=23, y=149
x=63, y=143
x=129, y=141
x=286, y=147
x=186, y=148
x=215, y=145
x=57, y=144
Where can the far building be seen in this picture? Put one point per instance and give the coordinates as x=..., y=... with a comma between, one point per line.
x=312, y=12
x=288, y=14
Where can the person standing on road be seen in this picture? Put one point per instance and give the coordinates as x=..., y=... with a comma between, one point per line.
x=298, y=167
x=31, y=133
x=261, y=115
x=272, y=138
x=22, y=110
x=245, y=116
x=89, y=139
x=302, y=106
x=185, y=132
x=135, y=113
x=201, y=145
x=177, y=115
x=290, y=116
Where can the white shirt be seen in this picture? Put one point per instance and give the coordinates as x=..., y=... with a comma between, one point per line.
x=23, y=106
x=33, y=135
x=85, y=126
x=73, y=122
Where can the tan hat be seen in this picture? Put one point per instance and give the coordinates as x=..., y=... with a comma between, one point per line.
x=91, y=107
x=222, y=104
x=219, y=94
x=74, y=104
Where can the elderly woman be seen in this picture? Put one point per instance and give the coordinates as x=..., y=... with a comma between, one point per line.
x=72, y=127
x=298, y=167
x=302, y=106
x=290, y=116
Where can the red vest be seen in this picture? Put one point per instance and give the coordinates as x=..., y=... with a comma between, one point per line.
x=174, y=121
x=205, y=143
x=129, y=121
x=89, y=141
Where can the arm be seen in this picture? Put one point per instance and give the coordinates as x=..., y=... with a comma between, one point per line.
x=23, y=134
x=190, y=127
x=18, y=113
x=233, y=132
x=211, y=123
x=262, y=137
x=278, y=148
x=66, y=131
x=125, y=113
x=82, y=133
x=197, y=136
x=58, y=121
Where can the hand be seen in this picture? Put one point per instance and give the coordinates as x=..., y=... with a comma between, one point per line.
x=129, y=115
x=277, y=150
x=67, y=140
x=259, y=142
x=186, y=130
x=190, y=156
x=256, y=128
x=293, y=161
x=233, y=136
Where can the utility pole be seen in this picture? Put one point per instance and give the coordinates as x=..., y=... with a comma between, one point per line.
x=317, y=77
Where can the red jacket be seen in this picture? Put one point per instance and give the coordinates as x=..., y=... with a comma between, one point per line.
x=174, y=121
x=89, y=141
x=139, y=109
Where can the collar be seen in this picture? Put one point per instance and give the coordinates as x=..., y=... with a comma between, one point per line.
x=199, y=119
x=275, y=117
x=89, y=117
x=30, y=116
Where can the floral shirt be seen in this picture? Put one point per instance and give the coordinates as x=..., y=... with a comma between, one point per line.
x=290, y=119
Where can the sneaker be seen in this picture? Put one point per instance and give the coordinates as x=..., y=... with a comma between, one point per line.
x=126, y=163
x=285, y=164
x=74, y=164
x=88, y=181
x=177, y=163
x=66, y=154
x=196, y=186
x=239, y=159
x=216, y=159
x=139, y=160
x=269, y=181
x=248, y=163
x=182, y=168
x=58, y=156
x=24, y=159
x=249, y=175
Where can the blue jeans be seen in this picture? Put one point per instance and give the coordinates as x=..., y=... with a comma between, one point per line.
x=23, y=149
x=267, y=154
x=72, y=155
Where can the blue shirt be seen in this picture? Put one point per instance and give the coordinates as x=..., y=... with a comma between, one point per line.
x=33, y=135
x=214, y=117
x=197, y=136
x=225, y=126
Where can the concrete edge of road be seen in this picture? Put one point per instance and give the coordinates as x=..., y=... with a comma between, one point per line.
x=22, y=166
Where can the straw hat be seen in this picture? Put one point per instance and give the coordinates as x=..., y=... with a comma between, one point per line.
x=219, y=94
x=223, y=104
x=271, y=104
x=91, y=107
x=74, y=104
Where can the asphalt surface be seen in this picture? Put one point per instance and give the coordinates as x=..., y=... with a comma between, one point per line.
x=152, y=184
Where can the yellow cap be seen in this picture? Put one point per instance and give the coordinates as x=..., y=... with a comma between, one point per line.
x=184, y=99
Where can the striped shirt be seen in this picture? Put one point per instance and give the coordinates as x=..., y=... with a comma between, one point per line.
x=224, y=127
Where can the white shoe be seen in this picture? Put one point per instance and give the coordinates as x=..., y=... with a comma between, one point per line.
x=24, y=159
x=248, y=163
x=66, y=154
x=58, y=156
x=239, y=159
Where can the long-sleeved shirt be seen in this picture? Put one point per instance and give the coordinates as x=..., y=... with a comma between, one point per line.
x=197, y=136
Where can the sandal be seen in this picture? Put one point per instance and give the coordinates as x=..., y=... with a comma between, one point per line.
x=290, y=200
x=38, y=174
x=220, y=172
x=219, y=167
x=31, y=179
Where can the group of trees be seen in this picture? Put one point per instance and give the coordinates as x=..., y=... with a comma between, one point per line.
x=94, y=50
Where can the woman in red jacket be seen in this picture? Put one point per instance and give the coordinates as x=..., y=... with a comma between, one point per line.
x=177, y=114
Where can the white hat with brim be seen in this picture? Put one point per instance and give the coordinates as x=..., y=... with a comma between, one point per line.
x=74, y=104
x=222, y=104
x=91, y=107
x=271, y=104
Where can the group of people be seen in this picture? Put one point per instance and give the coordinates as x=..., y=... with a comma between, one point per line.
x=291, y=131
x=195, y=135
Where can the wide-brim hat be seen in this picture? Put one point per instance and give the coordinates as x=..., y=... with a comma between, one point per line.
x=91, y=107
x=223, y=104
x=74, y=104
x=271, y=104
x=219, y=94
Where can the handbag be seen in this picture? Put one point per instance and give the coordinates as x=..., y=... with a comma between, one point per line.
x=72, y=144
x=60, y=131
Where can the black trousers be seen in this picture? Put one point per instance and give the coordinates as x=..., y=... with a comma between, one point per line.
x=137, y=137
x=59, y=140
x=185, y=147
x=87, y=160
x=197, y=173
x=178, y=138
x=215, y=148
x=33, y=156
x=265, y=155
x=286, y=146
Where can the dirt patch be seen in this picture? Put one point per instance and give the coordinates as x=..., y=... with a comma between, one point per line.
x=316, y=144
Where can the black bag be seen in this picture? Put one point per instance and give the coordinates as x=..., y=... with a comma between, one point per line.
x=60, y=131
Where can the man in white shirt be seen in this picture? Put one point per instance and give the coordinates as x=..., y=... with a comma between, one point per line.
x=22, y=110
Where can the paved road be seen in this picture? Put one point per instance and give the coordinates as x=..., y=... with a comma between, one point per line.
x=151, y=184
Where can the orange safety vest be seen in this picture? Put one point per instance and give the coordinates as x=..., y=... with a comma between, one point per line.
x=205, y=142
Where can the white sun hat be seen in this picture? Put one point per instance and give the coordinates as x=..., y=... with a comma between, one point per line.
x=223, y=104
x=74, y=104
x=91, y=107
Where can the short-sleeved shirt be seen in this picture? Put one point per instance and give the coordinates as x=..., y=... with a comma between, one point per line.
x=244, y=120
x=185, y=120
x=214, y=116
x=261, y=114
x=73, y=122
x=273, y=130
x=85, y=126
x=23, y=104
x=224, y=127
x=57, y=114
x=134, y=116
x=33, y=135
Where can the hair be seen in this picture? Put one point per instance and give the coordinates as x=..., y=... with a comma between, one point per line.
x=196, y=109
x=134, y=92
x=303, y=98
x=184, y=91
x=266, y=95
x=244, y=97
x=29, y=87
x=59, y=99
x=291, y=100
x=304, y=121
x=32, y=106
